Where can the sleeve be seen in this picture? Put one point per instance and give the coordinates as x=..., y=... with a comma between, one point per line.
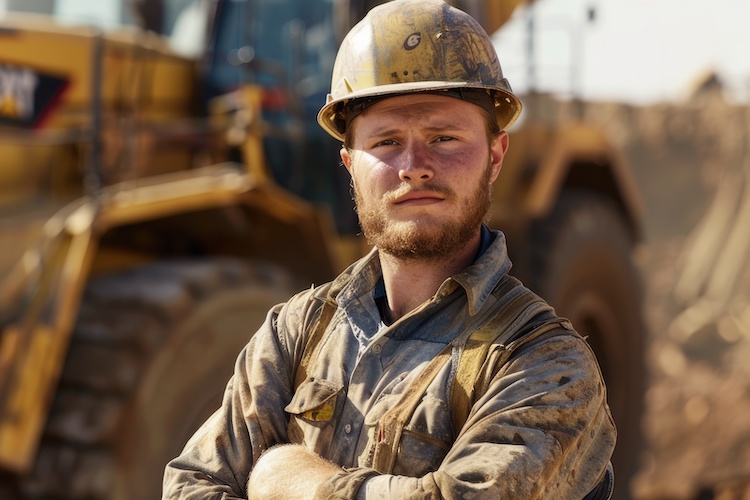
x=217, y=460
x=542, y=430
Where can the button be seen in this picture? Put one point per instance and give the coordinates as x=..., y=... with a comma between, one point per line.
x=377, y=348
x=348, y=428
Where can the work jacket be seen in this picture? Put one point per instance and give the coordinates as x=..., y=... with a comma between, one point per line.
x=541, y=429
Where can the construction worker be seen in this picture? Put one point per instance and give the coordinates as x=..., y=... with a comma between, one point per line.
x=424, y=370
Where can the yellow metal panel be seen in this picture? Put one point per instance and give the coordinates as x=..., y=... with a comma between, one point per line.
x=138, y=73
x=44, y=335
x=24, y=410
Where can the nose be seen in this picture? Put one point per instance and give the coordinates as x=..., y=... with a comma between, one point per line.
x=415, y=166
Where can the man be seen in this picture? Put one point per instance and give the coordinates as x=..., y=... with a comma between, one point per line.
x=423, y=370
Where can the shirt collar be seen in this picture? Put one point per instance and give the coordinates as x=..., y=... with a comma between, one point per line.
x=478, y=280
x=485, y=240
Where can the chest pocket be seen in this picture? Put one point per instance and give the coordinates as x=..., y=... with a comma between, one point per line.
x=312, y=411
x=425, y=438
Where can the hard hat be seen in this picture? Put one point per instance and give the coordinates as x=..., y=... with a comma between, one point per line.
x=406, y=46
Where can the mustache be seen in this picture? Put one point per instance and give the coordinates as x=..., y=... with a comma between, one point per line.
x=430, y=187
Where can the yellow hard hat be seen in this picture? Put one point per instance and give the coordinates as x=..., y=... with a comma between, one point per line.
x=406, y=46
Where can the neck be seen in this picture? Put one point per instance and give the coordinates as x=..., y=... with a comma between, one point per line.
x=411, y=282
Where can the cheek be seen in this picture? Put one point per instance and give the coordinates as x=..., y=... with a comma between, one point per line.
x=464, y=165
x=372, y=173
x=363, y=182
x=377, y=166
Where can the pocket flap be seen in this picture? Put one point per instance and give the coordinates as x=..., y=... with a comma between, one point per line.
x=315, y=399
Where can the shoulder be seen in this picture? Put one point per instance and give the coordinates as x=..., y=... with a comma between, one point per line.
x=300, y=311
x=308, y=303
x=559, y=341
x=558, y=358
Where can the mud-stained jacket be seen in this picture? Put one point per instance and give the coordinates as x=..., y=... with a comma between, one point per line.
x=542, y=428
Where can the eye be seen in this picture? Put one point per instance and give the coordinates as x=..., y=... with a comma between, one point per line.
x=444, y=138
x=386, y=142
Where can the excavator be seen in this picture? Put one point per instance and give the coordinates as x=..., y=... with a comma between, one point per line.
x=164, y=183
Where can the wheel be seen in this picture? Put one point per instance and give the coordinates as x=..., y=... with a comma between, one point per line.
x=152, y=351
x=580, y=261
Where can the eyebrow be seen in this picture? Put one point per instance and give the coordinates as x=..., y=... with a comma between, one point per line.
x=434, y=129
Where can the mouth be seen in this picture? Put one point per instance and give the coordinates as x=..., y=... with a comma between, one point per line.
x=419, y=198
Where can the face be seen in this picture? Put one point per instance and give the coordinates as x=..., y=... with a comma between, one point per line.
x=422, y=168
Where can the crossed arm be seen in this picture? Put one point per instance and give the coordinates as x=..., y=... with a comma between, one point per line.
x=525, y=435
x=288, y=472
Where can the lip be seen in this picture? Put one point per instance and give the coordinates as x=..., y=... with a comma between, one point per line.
x=418, y=198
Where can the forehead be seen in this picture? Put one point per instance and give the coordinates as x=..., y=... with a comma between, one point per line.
x=421, y=109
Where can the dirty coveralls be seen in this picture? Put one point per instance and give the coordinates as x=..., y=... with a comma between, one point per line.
x=542, y=429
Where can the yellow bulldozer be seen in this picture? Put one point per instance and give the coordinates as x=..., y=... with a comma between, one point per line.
x=163, y=183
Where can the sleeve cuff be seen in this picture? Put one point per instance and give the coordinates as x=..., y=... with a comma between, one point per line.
x=344, y=485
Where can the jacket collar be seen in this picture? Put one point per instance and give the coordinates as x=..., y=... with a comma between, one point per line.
x=478, y=280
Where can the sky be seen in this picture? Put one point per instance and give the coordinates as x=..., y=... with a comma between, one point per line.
x=638, y=51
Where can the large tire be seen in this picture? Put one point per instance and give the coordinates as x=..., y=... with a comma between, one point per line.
x=151, y=354
x=580, y=261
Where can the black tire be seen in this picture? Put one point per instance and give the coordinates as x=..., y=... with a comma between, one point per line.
x=151, y=354
x=580, y=261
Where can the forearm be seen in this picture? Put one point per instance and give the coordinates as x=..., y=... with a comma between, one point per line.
x=289, y=472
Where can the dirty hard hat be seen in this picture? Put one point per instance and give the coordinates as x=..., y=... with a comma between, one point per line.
x=407, y=46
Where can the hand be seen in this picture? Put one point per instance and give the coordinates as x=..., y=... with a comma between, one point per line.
x=288, y=472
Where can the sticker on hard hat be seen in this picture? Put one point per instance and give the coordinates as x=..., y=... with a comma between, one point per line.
x=412, y=41
x=27, y=95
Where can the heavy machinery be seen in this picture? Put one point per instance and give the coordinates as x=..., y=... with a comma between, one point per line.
x=162, y=186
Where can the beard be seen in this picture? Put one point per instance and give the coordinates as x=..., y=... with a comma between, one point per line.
x=415, y=239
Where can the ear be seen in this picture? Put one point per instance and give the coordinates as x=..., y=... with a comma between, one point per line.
x=346, y=159
x=498, y=148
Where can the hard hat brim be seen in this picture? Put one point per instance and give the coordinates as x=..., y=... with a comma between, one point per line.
x=507, y=105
